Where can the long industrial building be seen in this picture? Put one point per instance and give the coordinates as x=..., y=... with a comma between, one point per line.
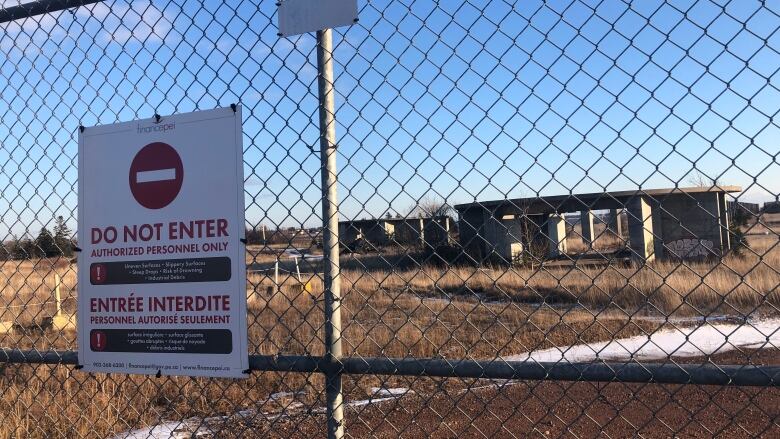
x=683, y=223
x=425, y=231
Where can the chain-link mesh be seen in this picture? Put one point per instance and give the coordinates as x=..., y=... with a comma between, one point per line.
x=554, y=218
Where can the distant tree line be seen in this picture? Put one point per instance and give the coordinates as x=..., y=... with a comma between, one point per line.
x=254, y=236
x=289, y=236
x=48, y=244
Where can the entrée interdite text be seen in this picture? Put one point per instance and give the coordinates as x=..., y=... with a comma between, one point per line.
x=137, y=304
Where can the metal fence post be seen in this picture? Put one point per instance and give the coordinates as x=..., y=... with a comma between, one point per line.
x=330, y=218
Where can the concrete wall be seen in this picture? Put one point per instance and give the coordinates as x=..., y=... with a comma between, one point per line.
x=471, y=231
x=725, y=220
x=640, y=229
x=615, y=222
x=375, y=232
x=511, y=239
x=771, y=207
x=483, y=235
x=687, y=225
x=556, y=233
x=409, y=231
x=495, y=235
x=348, y=233
x=437, y=231
x=587, y=230
x=690, y=226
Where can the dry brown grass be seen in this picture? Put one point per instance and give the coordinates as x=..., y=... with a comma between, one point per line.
x=41, y=401
x=431, y=312
x=47, y=401
x=27, y=294
x=378, y=322
x=735, y=285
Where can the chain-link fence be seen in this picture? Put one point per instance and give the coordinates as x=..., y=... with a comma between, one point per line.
x=464, y=218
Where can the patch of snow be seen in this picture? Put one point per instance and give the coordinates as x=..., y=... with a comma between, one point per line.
x=197, y=427
x=293, y=405
x=281, y=395
x=494, y=384
x=294, y=253
x=385, y=394
x=706, y=339
x=309, y=257
x=696, y=320
x=393, y=391
x=365, y=402
x=168, y=430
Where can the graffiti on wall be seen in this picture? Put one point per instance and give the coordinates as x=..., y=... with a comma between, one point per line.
x=691, y=248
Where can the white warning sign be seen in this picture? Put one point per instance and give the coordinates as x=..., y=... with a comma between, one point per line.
x=303, y=16
x=162, y=277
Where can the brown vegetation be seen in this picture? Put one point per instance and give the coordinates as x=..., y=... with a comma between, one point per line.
x=428, y=312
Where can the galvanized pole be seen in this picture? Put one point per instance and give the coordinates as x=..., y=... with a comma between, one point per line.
x=330, y=219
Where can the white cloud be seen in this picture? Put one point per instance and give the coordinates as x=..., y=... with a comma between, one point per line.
x=31, y=33
x=137, y=22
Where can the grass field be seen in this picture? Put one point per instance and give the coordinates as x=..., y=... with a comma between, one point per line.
x=419, y=312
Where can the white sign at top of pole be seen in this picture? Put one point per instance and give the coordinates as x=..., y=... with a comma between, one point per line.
x=303, y=16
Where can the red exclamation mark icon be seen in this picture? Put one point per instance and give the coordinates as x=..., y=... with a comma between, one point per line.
x=98, y=340
x=97, y=274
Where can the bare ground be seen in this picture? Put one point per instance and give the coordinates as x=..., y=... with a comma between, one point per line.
x=559, y=409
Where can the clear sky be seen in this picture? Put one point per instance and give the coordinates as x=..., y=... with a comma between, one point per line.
x=465, y=100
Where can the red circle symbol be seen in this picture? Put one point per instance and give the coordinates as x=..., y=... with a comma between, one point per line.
x=97, y=340
x=156, y=175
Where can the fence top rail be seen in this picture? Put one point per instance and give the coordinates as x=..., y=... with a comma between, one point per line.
x=30, y=9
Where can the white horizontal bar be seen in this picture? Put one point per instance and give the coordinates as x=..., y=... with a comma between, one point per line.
x=156, y=175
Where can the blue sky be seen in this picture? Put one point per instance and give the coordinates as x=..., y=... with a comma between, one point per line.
x=462, y=100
